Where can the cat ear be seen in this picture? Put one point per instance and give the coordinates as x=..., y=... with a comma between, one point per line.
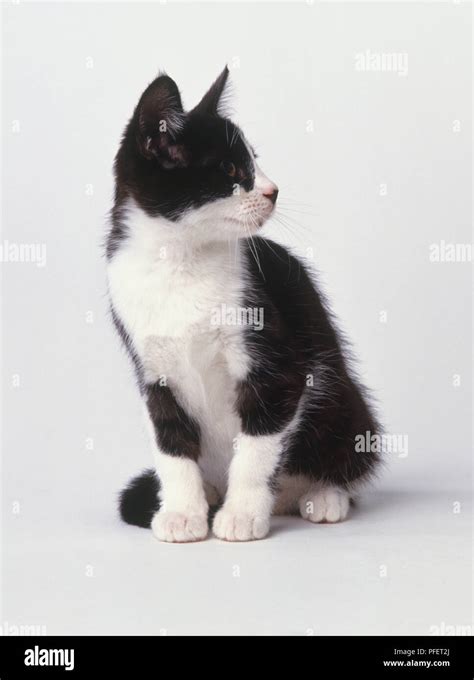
x=160, y=119
x=214, y=100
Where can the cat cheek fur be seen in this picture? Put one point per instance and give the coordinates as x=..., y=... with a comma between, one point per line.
x=237, y=216
x=260, y=417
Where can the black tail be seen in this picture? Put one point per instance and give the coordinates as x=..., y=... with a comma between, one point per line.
x=139, y=500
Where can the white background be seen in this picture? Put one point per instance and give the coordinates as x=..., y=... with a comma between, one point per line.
x=72, y=74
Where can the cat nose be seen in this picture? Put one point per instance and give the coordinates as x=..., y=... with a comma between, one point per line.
x=271, y=194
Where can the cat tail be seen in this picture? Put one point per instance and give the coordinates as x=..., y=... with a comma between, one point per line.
x=139, y=501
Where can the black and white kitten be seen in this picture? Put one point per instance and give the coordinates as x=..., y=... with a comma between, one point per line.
x=248, y=399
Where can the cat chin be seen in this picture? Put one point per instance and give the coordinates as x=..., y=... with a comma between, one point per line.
x=243, y=226
x=223, y=226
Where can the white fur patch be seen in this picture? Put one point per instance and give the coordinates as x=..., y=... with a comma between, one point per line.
x=245, y=515
x=177, y=527
x=240, y=526
x=325, y=504
x=183, y=511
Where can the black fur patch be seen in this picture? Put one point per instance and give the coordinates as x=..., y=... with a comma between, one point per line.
x=139, y=500
x=176, y=433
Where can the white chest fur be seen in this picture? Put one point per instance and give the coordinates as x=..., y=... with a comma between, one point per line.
x=166, y=294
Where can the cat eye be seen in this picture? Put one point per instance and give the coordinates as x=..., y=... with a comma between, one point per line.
x=229, y=168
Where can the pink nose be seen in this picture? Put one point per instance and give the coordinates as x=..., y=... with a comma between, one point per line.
x=271, y=194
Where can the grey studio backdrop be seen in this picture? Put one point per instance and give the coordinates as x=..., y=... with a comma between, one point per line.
x=361, y=112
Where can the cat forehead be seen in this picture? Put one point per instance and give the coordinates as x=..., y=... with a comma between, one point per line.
x=218, y=134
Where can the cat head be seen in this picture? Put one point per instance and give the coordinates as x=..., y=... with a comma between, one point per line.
x=194, y=169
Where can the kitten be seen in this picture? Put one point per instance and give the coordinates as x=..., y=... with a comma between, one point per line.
x=247, y=396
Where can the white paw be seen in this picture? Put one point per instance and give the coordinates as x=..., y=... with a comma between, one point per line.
x=231, y=526
x=325, y=505
x=177, y=527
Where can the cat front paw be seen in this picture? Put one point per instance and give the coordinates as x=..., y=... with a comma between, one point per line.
x=178, y=527
x=232, y=526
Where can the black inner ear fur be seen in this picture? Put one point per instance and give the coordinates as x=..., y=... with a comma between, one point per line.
x=159, y=120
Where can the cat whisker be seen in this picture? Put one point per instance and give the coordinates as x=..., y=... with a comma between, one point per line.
x=252, y=245
x=293, y=222
x=289, y=208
